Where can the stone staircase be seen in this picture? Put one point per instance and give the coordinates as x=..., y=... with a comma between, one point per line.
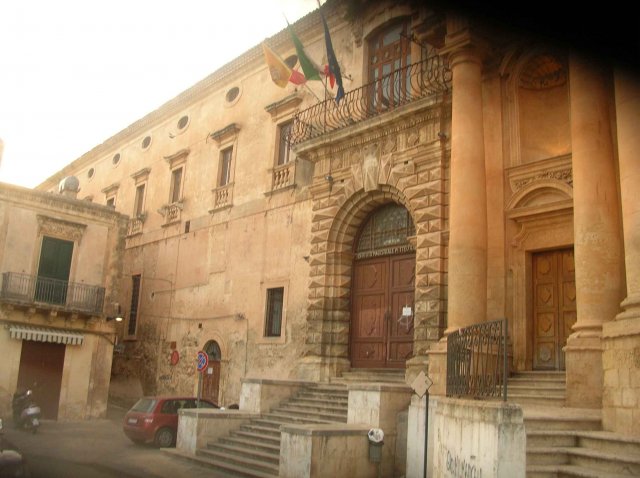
x=568, y=442
x=254, y=449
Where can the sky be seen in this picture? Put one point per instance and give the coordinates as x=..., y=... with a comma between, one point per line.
x=75, y=72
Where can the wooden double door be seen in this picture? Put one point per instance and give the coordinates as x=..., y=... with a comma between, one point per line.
x=383, y=288
x=554, y=306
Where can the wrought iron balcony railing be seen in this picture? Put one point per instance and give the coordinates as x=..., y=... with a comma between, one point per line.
x=71, y=296
x=477, y=361
x=400, y=87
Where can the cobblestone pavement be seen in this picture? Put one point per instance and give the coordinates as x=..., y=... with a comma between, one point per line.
x=95, y=449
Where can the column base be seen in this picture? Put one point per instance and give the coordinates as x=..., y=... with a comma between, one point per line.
x=583, y=358
x=621, y=367
x=438, y=368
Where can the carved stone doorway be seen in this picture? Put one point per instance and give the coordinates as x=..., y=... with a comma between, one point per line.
x=383, y=291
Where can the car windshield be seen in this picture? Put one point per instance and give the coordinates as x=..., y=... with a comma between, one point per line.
x=144, y=405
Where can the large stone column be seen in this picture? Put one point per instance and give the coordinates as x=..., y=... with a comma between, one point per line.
x=621, y=338
x=467, y=271
x=597, y=242
x=467, y=265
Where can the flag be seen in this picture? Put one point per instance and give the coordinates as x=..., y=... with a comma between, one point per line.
x=309, y=69
x=280, y=72
x=332, y=79
x=334, y=68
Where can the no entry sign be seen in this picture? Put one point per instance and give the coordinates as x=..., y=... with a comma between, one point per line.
x=203, y=361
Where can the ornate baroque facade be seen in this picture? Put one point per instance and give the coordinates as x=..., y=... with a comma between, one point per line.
x=514, y=159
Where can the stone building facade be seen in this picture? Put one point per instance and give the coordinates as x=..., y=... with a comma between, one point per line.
x=61, y=262
x=512, y=160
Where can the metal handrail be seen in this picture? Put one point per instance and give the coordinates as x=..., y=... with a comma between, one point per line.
x=72, y=296
x=477, y=361
x=400, y=87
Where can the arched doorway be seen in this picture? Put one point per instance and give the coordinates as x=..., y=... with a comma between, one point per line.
x=383, y=290
x=211, y=379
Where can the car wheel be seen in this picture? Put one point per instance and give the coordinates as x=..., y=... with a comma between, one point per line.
x=164, y=438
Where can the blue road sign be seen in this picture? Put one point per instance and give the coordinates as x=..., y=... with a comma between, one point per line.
x=203, y=361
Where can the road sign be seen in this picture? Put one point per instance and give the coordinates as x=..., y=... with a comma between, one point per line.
x=203, y=361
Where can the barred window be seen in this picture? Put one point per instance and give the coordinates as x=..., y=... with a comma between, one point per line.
x=385, y=232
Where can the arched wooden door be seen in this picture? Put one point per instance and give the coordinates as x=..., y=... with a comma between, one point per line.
x=383, y=291
x=211, y=379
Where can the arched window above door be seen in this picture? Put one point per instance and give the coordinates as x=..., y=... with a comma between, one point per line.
x=212, y=349
x=386, y=231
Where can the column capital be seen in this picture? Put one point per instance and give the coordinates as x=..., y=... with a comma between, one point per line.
x=462, y=42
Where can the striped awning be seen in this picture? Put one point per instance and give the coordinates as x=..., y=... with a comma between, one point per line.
x=42, y=334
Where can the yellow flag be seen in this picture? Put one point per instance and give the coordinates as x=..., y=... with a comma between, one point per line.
x=280, y=72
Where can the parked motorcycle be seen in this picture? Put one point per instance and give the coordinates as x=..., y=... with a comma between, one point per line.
x=26, y=414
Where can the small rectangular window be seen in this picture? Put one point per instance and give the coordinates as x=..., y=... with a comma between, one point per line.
x=111, y=202
x=284, y=130
x=176, y=185
x=133, y=310
x=273, y=323
x=226, y=156
x=139, y=201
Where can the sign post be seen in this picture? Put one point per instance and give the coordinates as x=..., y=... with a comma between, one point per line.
x=202, y=364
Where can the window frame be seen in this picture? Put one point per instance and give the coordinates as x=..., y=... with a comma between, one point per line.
x=139, y=200
x=176, y=197
x=267, y=333
x=134, y=305
x=281, y=144
x=226, y=156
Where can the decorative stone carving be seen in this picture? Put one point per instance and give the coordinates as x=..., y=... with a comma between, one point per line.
x=72, y=231
x=390, y=145
x=565, y=175
x=370, y=167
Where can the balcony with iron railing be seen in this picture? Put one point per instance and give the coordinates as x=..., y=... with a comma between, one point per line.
x=429, y=78
x=27, y=290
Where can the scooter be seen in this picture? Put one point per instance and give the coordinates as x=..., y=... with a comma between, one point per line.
x=26, y=414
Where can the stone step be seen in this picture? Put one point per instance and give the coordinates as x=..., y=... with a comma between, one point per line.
x=288, y=418
x=222, y=468
x=551, y=438
x=341, y=404
x=263, y=438
x=537, y=387
x=536, y=375
x=525, y=399
x=568, y=471
x=231, y=465
x=249, y=443
x=272, y=457
x=610, y=442
x=303, y=413
x=326, y=405
x=372, y=375
x=562, y=423
x=605, y=461
x=584, y=458
x=601, y=441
